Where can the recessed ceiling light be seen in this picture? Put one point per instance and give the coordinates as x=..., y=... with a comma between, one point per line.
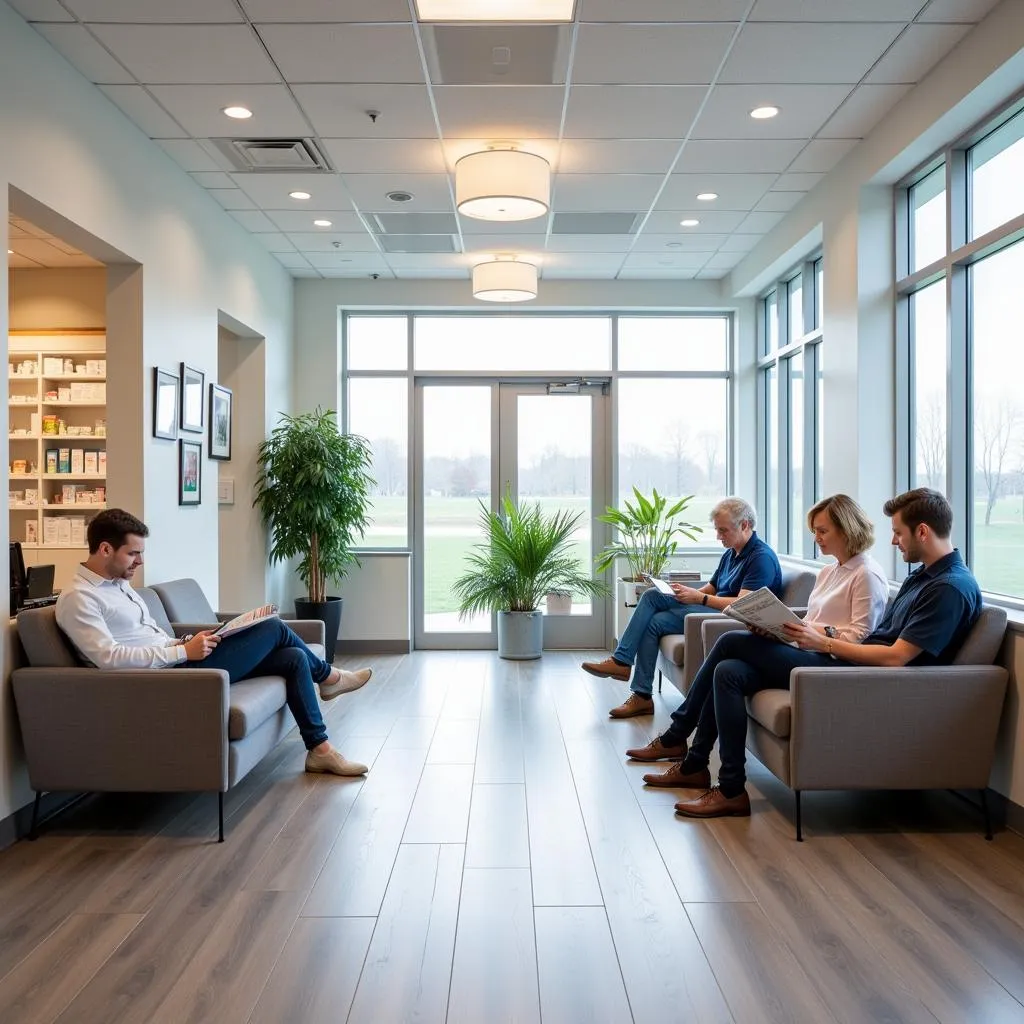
x=399, y=196
x=689, y=222
x=321, y=223
x=495, y=10
x=299, y=195
x=10, y=252
x=673, y=245
x=707, y=197
x=763, y=113
x=238, y=113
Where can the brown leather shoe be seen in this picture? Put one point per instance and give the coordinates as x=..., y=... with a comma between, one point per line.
x=714, y=804
x=676, y=778
x=634, y=704
x=657, y=751
x=609, y=669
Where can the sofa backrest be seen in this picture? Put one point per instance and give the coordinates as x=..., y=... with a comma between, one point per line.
x=184, y=601
x=156, y=608
x=797, y=585
x=984, y=640
x=44, y=642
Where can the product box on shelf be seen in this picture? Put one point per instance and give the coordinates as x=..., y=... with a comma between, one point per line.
x=51, y=460
x=63, y=460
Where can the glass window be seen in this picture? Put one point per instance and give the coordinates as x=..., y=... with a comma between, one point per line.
x=771, y=406
x=673, y=436
x=377, y=342
x=819, y=420
x=928, y=355
x=997, y=177
x=796, y=454
x=997, y=310
x=771, y=318
x=673, y=343
x=796, y=309
x=509, y=344
x=928, y=219
x=819, y=292
x=378, y=409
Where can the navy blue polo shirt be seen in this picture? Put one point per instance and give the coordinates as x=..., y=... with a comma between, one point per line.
x=934, y=610
x=756, y=566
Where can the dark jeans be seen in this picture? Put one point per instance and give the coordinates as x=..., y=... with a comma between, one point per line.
x=270, y=648
x=738, y=666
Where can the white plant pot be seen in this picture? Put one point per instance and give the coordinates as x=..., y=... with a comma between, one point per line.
x=627, y=594
x=558, y=602
x=520, y=635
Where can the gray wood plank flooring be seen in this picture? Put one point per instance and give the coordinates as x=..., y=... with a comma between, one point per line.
x=502, y=861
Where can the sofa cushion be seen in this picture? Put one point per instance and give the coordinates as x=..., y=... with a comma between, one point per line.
x=184, y=601
x=45, y=644
x=156, y=608
x=672, y=646
x=318, y=649
x=252, y=702
x=773, y=710
x=982, y=643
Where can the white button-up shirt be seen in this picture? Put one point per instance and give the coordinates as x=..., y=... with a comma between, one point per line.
x=851, y=597
x=110, y=625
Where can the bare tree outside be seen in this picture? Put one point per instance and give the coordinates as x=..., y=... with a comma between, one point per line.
x=710, y=443
x=931, y=441
x=994, y=427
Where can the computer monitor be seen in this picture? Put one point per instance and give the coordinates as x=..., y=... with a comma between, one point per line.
x=18, y=583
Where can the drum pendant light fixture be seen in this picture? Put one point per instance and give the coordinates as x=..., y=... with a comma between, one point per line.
x=504, y=280
x=502, y=185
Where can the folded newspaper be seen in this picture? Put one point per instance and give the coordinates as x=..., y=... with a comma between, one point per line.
x=246, y=619
x=763, y=610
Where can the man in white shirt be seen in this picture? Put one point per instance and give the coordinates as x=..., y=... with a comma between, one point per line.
x=110, y=626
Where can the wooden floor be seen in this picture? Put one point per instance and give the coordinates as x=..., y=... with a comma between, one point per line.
x=503, y=862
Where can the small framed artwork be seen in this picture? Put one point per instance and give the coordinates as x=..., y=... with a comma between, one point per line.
x=190, y=472
x=220, y=423
x=165, y=404
x=192, y=387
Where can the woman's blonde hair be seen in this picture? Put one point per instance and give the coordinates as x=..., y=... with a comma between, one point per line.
x=849, y=519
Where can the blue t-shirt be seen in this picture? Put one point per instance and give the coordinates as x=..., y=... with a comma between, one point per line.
x=756, y=566
x=934, y=610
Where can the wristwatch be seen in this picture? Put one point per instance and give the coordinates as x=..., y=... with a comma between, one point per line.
x=831, y=632
x=705, y=600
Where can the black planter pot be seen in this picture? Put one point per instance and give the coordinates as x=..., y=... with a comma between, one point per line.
x=329, y=613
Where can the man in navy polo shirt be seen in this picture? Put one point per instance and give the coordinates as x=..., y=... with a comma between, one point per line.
x=747, y=565
x=925, y=624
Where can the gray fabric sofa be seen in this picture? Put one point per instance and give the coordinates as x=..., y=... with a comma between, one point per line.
x=883, y=728
x=680, y=670
x=149, y=730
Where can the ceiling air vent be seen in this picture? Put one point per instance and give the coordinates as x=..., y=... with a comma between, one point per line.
x=417, y=243
x=271, y=156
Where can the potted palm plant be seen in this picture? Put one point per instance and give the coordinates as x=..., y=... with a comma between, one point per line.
x=313, y=492
x=526, y=555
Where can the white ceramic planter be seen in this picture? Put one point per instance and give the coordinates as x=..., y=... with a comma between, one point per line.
x=627, y=593
x=520, y=635
x=558, y=602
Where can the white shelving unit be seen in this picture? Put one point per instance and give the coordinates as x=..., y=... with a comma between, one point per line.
x=50, y=529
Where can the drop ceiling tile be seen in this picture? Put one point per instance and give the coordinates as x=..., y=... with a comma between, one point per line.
x=270, y=191
x=299, y=272
x=916, y=52
x=212, y=179
x=738, y=156
x=199, y=109
x=662, y=10
x=144, y=111
x=809, y=53
x=41, y=10
x=399, y=261
x=797, y=182
x=252, y=220
x=821, y=155
x=475, y=226
x=323, y=242
x=712, y=222
x=297, y=220
x=586, y=244
x=343, y=54
x=523, y=245
x=866, y=106
x=599, y=267
x=41, y=251
x=605, y=191
x=156, y=11
x=192, y=54
x=188, y=155
x=679, y=242
x=803, y=110
x=759, y=223
x=735, y=191
x=971, y=11
x=339, y=260
x=274, y=242
x=327, y=10
x=80, y=49
x=429, y=191
x=15, y=261
x=665, y=261
x=631, y=112
x=499, y=112
x=232, y=198
x=779, y=202
x=649, y=54
x=835, y=10
x=657, y=274
x=366, y=156
x=710, y=275
x=339, y=111
x=724, y=261
x=597, y=156
x=416, y=274
x=740, y=243
x=292, y=260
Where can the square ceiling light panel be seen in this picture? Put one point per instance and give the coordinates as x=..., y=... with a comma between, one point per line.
x=496, y=10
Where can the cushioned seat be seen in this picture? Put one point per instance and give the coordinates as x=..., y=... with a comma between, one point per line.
x=773, y=710
x=252, y=702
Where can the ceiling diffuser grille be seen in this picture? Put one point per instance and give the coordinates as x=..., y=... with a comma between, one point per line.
x=273, y=156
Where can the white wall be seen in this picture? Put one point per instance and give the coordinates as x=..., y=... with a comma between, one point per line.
x=67, y=147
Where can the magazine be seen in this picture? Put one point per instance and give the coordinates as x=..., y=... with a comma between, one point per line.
x=763, y=610
x=246, y=619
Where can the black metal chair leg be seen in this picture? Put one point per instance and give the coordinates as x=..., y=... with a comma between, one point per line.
x=799, y=829
x=220, y=817
x=33, y=833
x=659, y=680
x=987, y=813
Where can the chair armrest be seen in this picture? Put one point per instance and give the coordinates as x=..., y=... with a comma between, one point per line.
x=895, y=728
x=310, y=631
x=714, y=627
x=156, y=730
x=693, y=645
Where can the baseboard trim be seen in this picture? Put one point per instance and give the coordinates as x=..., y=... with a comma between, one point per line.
x=373, y=647
x=16, y=826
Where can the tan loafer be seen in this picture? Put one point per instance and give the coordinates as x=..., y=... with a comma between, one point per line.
x=657, y=751
x=714, y=804
x=333, y=762
x=635, y=704
x=340, y=681
x=608, y=669
x=675, y=778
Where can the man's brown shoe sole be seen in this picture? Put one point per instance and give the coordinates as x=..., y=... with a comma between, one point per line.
x=609, y=673
x=659, y=753
x=673, y=779
x=638, y=709
x=729, y=809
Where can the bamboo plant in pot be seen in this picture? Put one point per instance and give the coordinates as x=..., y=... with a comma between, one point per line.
x=526, y=555
x=313, y=492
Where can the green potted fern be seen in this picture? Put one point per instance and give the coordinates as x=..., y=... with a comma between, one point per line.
x=313, y=493
x=526, y=555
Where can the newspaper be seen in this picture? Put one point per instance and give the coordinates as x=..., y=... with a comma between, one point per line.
x=246, y=619
x=763, y=610
x=659, y=584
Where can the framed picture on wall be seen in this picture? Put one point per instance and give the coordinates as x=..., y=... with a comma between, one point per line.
x=190, y=472
x=165, y=404
x=220, y=422
x=192, y=387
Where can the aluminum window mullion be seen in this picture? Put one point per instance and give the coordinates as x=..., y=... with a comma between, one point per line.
x=810, y=439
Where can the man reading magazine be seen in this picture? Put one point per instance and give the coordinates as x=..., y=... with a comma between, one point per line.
x=110, y=626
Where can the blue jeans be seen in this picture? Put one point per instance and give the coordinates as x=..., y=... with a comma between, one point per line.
x=656, y=615
x=738, y=666
x=270, y=648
